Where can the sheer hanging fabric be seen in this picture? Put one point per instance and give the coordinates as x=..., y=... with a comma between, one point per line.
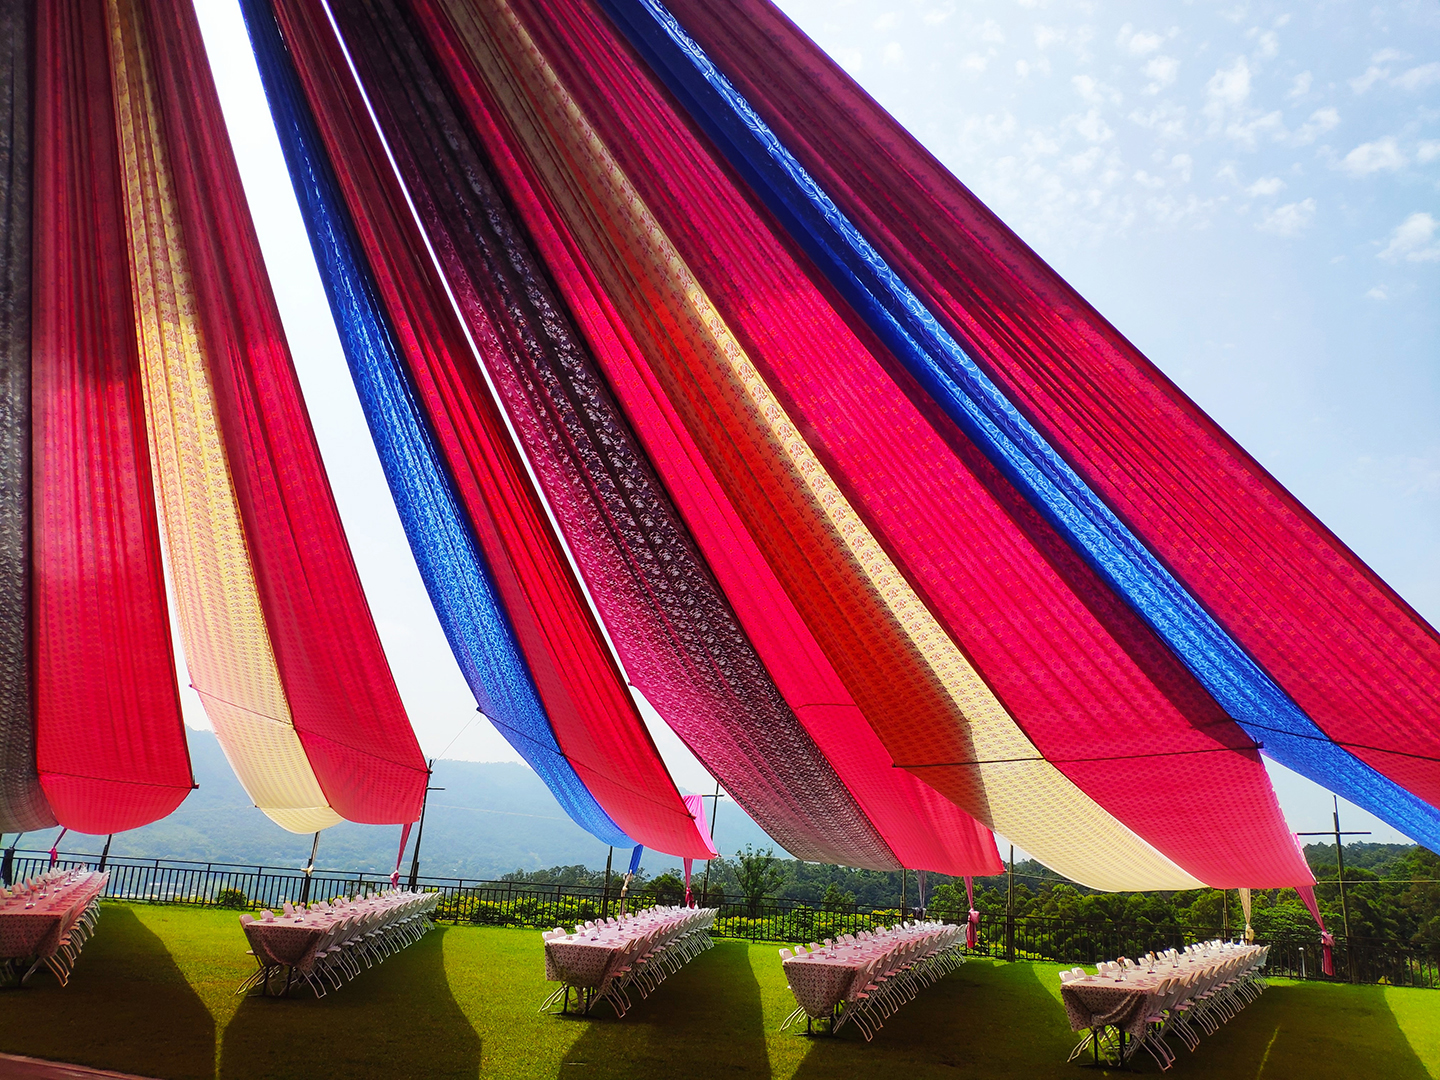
x=22, y=803
x=680, y=642
x=896, y=661
x=110, y=746
x=1277, y=585
x=435, y=391
x=342, y=699
x=222, y=624
x=918, y=825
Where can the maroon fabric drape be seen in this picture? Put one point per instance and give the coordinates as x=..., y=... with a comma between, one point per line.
x=594, y=718
x=678, y=638
x=1090, y=684
x=110, y=746
x=342, y=696
x=1285, y=587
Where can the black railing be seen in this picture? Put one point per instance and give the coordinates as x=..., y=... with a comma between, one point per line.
x=529, y=904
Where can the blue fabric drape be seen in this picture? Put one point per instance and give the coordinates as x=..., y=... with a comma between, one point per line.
x=987, y=417
x=454, y=571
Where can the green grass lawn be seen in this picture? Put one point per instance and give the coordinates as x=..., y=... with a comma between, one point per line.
x=153, y=995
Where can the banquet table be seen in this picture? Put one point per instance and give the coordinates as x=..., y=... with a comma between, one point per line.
x=36, y=932
x=1098, y=1001
x=585, y=958
x=822, y=980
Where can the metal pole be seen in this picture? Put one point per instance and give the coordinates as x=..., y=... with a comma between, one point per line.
x=714, y=809
x=1340, y=874
x=309, y=869
x=105, y=855
x=1225, y=913
x=902, y=894
x=605, y=897
x=1010, y=907
x=420, y=832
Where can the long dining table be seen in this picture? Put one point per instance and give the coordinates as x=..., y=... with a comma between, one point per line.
x=37, y=920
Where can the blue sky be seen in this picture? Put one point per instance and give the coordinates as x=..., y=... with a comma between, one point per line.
x=1250, y=192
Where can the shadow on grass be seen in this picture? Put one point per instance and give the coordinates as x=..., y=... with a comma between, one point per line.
x=987, y=1019
x=705, y=1020
x=398, y=1019
x=128, y=1008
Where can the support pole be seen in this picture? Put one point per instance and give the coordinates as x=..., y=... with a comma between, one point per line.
x=309, y=869
x=902, y=894
x=1340, y=875
x=105, y=855
x=1010, y=910
x=714, y=809
x=420, y=832
x=605, y=896
x=1225, y=914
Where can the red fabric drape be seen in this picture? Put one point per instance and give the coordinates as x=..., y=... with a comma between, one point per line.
x=922, y=828
x=595, y=720
x=1275, y=577
x=110, y=746
x=1327, y=940
x=346, y=709
x=1089, y=683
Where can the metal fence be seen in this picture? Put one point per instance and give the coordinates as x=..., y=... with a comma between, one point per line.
x=528, y=904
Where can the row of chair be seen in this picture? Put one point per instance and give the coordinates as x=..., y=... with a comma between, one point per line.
x=351, y=938
x=651, y=958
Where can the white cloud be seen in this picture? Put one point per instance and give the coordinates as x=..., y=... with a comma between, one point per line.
x=894, y=56
x=886, y=21
x=1045, y=36
x=936, y=16
x=1385, y=56
x=1372, y=75
x=1091, y=127
x=1022, y=68
x=1427, y=151
x=1417, y=78
x=1300, y=86
x=1228, y=89
x=1321, y=121
x=1162, y=71
x=1266, y=185
x=973, y=63
x=852, y=60
x=1145, y=180
x=1289, y=220
x=1081, y=164
x=1138, y=42
x=1414, y=240
x=991, y=32
x=1372, y=157
x=1185, y=164
x=1376, y=293
x=1248, y=132
x=1268, y=45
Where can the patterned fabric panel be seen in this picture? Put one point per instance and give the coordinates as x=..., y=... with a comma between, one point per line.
x=227, y=646
x=22, y=803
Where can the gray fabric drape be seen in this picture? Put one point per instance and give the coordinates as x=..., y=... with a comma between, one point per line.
x=22, y=804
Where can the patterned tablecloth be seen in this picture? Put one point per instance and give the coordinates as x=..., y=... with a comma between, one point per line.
x=36, y=932
x=822, y=980
x=585, y=959
x=291, y=942
x=1097, y=1001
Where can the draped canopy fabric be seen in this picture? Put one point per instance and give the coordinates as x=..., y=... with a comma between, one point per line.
x=1276, y=583
x=595, y=721
x=918, y=825
x=227, y=646
x=343, y=702
x=895, y=660
x=22, y=802
x=677, y=636
x=109, y=743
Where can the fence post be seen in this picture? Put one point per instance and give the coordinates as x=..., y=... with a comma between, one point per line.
x=1010, y=909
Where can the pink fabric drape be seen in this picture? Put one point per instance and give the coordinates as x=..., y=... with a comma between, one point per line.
x=1327, y=939
x=1278, y=581
x=918, y=825
x=594, y=718
x=400, y=855
x=1094, y=689
x=109, y=743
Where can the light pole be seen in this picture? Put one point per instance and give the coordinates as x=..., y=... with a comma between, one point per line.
x=1340, y=879
x=420, y=832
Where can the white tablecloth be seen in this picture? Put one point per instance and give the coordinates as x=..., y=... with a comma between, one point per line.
x=1098, y=1001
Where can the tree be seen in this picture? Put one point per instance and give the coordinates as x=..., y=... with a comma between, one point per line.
x=835, y=897
x=757, y=874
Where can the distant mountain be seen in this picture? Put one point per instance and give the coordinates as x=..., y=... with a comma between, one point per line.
x=491, y=818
